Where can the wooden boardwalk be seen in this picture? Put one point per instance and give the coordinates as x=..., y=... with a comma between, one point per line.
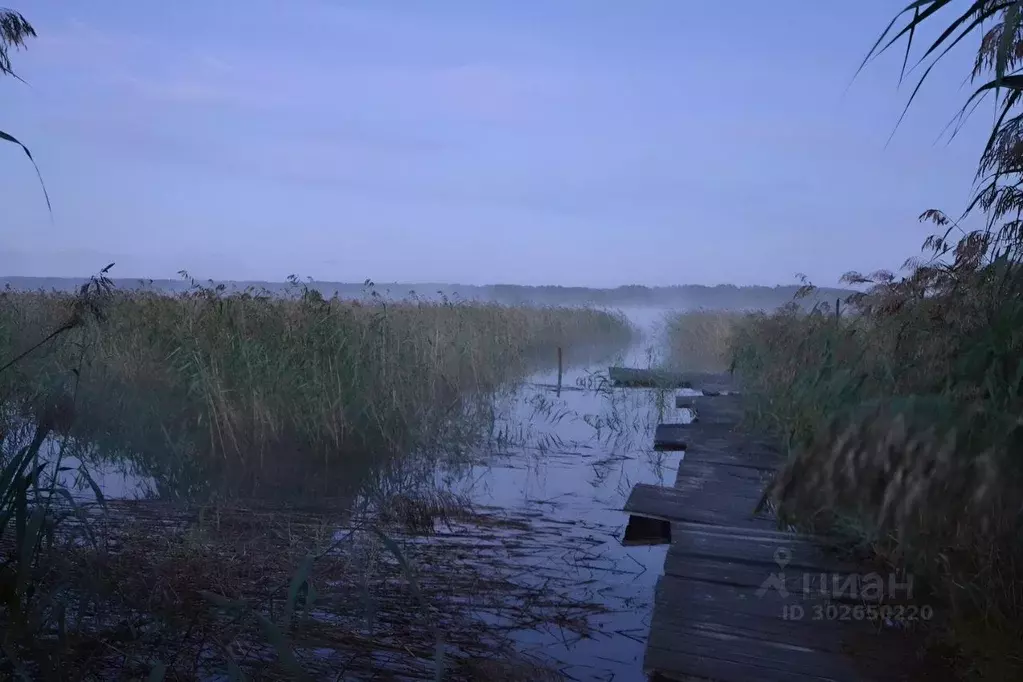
x=741, y=600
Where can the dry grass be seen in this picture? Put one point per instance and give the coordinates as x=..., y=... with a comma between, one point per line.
x=701, y=340
x=192, y=585
x=253, y=392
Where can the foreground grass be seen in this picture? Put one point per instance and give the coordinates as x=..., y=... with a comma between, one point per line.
x=902, y=424
x=252, y=390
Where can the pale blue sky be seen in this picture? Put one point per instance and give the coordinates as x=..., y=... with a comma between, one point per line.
x=528, y=141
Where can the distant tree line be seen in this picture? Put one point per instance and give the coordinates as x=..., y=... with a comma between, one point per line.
x=721, y=297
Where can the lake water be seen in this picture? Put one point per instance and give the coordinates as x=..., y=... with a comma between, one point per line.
x=570, y=465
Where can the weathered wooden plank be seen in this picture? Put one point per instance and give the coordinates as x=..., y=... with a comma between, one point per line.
x=674, y=504
x=721, y=405
x=743, y=500
x=689, y=502
x=843, y=586
x=670, y=436
x=682, y=527
x=713, y=382
x=674, y=593
x=681, y=618
x=652, y=501
x=736, y=572
x=682, y=666
x=647, y=378
x=772, y=658
x=853, y=645
x=696, y=468
x=760, y=463
x=733, y=581
x=756, y=546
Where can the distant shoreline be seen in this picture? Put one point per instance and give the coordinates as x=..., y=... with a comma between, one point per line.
x=684, y=296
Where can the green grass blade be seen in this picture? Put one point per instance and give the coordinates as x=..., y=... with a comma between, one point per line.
x=281, y=645
x=403, y=563
x=300, y=578
x=80, y=513
x=29, y=544
x=83, y=471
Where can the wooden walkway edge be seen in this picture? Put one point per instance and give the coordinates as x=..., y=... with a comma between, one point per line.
x=740, y=600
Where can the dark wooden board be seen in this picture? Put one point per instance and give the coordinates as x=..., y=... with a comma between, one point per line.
x=704, y=619
x=732, y=579
x=672, y=664
x=756, y=546
x=647, y=378
x=670, y=436
x=670, y=504
x=772, y=658
x=712, y=382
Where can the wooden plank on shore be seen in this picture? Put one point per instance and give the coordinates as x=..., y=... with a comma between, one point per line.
x=706, y=620
x=749, y=573
x=761, y=462
x=674, y=504
x=670, y=436
x=771, y=660
x=677, y=666
x=784, y=551
x=713, y=383
x=694, y=468
x=742, y=599
x=647, y=378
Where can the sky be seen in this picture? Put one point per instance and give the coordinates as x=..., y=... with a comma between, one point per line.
x=576, y=142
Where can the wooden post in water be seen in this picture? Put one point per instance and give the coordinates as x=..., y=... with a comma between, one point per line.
x=559, y=371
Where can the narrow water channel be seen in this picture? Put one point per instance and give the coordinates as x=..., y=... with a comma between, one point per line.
x=569, y=466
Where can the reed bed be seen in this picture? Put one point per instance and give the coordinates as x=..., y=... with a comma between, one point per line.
x=701, y=340
x=328, y=416
x=901, y=421
x=265, y=393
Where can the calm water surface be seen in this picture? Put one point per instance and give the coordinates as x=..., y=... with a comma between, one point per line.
x=570, y=464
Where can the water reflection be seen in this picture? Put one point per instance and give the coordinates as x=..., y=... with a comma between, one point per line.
x=568, y=463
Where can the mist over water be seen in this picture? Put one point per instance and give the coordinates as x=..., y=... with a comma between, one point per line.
x=568, y=466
